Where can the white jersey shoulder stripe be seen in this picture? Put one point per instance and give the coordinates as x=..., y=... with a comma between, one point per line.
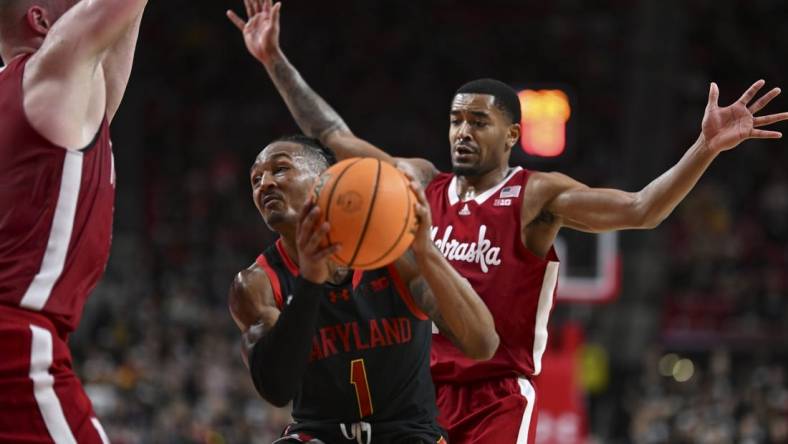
x=40, y=288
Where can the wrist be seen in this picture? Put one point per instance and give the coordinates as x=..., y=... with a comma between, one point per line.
x=426, y=254
x=269, y=60
x=703, y=147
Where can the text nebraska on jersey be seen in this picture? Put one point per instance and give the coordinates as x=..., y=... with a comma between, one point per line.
x=481, y=252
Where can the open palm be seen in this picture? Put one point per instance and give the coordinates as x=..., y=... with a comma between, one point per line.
x=261, y=31
x=724, y=128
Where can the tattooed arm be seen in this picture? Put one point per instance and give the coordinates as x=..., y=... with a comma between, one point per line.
x=314, y=116
x=445, y=296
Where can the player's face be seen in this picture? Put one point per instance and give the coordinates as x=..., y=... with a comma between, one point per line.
x=281, y=182
x=480, y=135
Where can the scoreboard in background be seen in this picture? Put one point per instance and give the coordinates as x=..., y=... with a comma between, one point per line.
x=590, y=263
x=545, y=114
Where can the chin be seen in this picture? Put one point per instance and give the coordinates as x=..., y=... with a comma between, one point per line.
x=274, y=220
x=466, y=170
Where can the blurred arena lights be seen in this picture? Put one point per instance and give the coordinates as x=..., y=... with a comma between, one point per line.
x=667, y=363
x=683, y=370
x=545, y=113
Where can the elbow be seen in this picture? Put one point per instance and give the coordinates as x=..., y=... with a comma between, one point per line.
x=651, y=219
x=278, y=401
x=274, y=396
x=485, y=348
x=646, y=215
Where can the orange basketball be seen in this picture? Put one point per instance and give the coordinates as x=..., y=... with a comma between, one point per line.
x=370, y=208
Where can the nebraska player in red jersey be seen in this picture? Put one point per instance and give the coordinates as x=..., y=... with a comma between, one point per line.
x=497, y=224
x=67, y=64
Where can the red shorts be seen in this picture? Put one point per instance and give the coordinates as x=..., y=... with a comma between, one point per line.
x=492, y=411
x=41, y=399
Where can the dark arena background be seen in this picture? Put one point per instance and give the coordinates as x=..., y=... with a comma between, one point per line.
x=687, y=344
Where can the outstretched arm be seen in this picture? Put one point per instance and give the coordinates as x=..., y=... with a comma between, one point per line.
x=444, y=295
x=597, y=209
x=66, y=88
x=314, y=116
x=117, y=65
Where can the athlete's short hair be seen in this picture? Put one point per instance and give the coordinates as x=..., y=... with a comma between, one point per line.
x=313, y=149
x=506, y=98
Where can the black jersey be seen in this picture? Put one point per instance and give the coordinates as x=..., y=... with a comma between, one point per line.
x=370, y=358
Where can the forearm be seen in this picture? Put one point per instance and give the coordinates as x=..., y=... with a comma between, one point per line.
x=459, y=308
x=279, y=359
x=659, y=198
x=314, y=116
x=117, y=64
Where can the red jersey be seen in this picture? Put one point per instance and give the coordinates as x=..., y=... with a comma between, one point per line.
x=481, y=239
x=56, y=209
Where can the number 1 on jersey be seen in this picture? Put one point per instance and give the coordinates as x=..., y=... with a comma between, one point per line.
x=358, y=377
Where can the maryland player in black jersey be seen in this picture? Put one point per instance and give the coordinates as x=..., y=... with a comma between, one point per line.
x=351, y=349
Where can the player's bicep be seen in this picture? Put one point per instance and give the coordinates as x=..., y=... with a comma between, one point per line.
x=591, y=209
x=346, y=145
x=425, y=299
x=422, y=170
x=85, y=31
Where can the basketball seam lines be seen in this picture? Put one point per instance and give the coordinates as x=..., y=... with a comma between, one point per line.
x=331, y=196
x=369, y=214
x=401, y=233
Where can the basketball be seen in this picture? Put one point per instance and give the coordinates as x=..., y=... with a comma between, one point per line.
x=370, y=208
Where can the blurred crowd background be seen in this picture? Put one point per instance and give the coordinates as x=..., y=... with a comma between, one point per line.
x=705, y=293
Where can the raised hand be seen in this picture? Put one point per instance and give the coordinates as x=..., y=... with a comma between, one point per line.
x=724, y=128
x=313, y=253
x=261, y=30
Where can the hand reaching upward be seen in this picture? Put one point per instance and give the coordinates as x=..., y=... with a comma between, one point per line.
x=261, y=30
x=725, y=128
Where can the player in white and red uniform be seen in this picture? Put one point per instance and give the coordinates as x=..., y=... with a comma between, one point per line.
x=496, y=225
x=476, y=237
x=67, y=65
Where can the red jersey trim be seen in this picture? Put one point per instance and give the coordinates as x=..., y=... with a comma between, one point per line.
x=404, y=293
x=291, y=266
x=357, y=275
x=275, y=285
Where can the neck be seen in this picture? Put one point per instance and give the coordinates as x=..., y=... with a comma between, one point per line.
x=475, y=185
x=337, y=273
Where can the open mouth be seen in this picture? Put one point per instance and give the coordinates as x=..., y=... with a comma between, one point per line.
x=271, y=199
x=464, y=150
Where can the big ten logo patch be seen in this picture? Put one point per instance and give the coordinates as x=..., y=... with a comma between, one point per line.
x=337, y=295
x=349, y=201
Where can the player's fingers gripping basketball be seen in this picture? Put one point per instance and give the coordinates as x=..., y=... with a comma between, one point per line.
x=311, y=254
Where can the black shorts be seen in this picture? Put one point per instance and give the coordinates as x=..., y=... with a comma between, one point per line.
x=398, y=432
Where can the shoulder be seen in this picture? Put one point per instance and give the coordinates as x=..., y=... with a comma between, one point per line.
x=547, y=185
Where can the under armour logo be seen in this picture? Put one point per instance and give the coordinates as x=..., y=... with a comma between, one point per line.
x=333, y=296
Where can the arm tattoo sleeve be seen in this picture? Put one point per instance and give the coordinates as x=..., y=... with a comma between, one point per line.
x=314, y=116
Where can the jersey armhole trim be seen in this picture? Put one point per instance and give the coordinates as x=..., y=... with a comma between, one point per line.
x=272, y=276
x=405, y=294
x=357, y=276
x=291, y=267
